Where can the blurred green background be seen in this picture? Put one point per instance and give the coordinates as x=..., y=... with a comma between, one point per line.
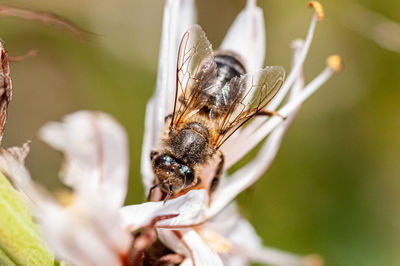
x=334, y=188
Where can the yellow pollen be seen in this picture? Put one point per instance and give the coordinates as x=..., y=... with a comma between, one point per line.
x=318, y=9
x=335, y=62
x=65, y=198
x=214, y=240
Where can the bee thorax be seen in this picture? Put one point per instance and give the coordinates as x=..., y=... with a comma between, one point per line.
x=190, y=144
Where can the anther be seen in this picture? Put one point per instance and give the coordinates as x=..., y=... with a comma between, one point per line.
x=335, y=62
x=318, y=9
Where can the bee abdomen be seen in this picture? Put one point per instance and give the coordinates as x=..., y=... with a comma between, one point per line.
x=229, y=65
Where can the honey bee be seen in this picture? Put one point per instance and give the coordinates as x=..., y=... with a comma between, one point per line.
x=214, y=97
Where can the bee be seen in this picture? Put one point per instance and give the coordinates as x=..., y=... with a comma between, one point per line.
x=214, y=97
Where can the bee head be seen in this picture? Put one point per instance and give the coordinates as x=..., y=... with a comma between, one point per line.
x=171, y=174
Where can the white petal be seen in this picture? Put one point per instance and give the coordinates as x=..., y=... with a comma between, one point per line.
x=232, y=226
x=179, y=15
x=190, y=244
x=75, y=239
x=74, y=234
x=247, y=175
x=190, y=207
x=200, y=251
x=234, y=260
x=172, y=239
x=96, y=152
x=247, y=245
x=148, y=140
x=246, y=36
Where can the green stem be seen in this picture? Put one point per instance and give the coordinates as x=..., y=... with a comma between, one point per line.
x=19, y=236
x=5, y=260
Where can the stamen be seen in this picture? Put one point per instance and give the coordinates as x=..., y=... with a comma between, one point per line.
x=234, y=146
x=318, y=9
x=334, y=65
x=289, y=107
x=335, y=62
x=296, y=68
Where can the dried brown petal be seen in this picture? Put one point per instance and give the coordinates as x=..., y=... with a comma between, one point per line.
x=5, y=89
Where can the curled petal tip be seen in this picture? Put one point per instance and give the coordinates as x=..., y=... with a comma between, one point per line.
x=319, y=10
x=313, y=260
x=19, y=153
x=335, y=62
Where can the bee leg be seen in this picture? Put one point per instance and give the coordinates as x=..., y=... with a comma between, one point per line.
x=151, y=190
x=169, y=194
x=270, y=113
x=218, y=173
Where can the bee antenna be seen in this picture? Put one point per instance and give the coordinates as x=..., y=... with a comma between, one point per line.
x=169, y=194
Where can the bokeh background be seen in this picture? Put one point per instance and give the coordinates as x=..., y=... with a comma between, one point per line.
x=334, y=188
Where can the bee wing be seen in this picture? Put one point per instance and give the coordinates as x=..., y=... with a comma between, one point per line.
x=254, y=91
x=195, y=67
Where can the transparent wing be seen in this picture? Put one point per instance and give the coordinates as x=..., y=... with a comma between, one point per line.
x=195, y=67
x=253, y=92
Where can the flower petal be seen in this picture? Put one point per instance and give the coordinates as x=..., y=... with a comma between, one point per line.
x=201, y=253
x=246, y=244
x=82, y=240
x=232, y=226
x=73, y=233
x=179, y=15
x=190, y=244
x=190, y=207
x=148, y=142
x=96, y=152
x=246, y=36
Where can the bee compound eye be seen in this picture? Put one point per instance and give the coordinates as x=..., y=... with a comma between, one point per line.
x=189, y=176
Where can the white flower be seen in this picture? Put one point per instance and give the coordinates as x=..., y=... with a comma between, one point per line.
x=210, y=231
x=93, y=229
x=86, y=230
